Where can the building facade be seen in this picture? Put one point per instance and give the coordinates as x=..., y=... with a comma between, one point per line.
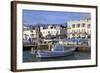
x=79, y=29
x=52, y=29
x=28, y=32
x=73, y=29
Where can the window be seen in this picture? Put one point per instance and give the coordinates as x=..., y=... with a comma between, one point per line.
x=83, y=24
x=73, y=25
x=88, y=26
x=33, y=27
x=83, y=30
x=78, y=30
x=78, y=25
x=32, y=35
x=55, y=27
x=44, y=27
x=73, y=35
x=51, y=27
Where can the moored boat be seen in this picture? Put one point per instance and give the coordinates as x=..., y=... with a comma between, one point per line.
x=57, y=50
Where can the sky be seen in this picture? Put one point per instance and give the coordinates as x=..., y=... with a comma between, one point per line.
x=33, y=17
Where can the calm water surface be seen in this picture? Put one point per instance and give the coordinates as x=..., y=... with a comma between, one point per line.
x=28, y=57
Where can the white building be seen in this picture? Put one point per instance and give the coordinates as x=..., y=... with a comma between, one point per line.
x=53, y=30
x=79, y=28
x=30, y=31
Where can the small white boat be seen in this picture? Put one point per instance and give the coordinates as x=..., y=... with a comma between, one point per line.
x=57, y=50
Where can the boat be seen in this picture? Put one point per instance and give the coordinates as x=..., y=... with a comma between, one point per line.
x=57, y=50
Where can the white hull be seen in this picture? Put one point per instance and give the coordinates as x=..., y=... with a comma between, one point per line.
x=48, y=54
x=56, y=51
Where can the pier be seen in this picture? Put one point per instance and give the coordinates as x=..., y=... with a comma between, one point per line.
x=45, y=47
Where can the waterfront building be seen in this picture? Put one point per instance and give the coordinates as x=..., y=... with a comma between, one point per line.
x=79, y=28
x=46, y=30
x=53, y=30
x=28, y=32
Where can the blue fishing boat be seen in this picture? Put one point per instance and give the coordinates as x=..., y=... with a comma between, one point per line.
x=57, y=50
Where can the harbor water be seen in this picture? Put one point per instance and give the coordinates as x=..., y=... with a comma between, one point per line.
x=28, y=57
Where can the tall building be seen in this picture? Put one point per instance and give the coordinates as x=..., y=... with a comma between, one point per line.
x=79, y=29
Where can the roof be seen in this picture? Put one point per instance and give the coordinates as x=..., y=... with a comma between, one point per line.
x=45, y=25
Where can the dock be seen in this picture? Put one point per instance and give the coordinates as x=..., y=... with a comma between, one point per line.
x=45, y=46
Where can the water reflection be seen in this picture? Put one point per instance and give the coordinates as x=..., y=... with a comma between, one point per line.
x=28, y=57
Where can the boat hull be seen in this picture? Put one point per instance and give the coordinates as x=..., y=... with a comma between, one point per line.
x=50, y=54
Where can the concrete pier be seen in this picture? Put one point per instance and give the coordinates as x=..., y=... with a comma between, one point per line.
x=83, y=48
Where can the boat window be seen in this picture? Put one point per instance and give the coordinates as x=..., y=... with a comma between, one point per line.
x=58, y=47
